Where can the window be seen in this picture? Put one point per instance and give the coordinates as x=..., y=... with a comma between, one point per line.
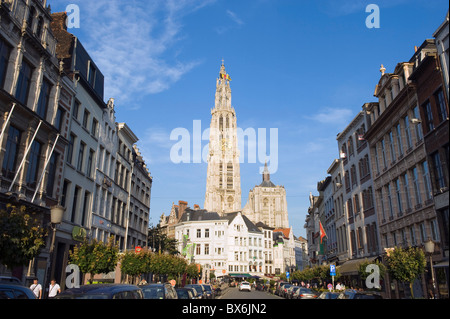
x=90, y=163
x=418, y=125
x=85, y=118
x=399, y=195
x=52, y=174
x=206, y=249
x=91, y=75
x=94, y=128
x=428, y=116
x=5, y=51
x=406, y=190
x=11, y=152
x=438, y=171
x=440, y=102
x=391, y=209
x=399, y=140
x=70, y=148
x=426, y=180
x=412, y=234
x=207, y=233
x=407, y=132
x=44, y=98
x=434, y=230
x=199, y=233
x=353, y=175
x=30, y=19
x=59, y=119
x=375, y=154
x=423, y=232
x=75, y=203
x=23, y=82
x=391, y=146
x=64, y=193
x=198, y=250
x=383, y=152
x=76, y=109
x=33, y=164
x=416, y=186
x=81, y=157
x=87, y=196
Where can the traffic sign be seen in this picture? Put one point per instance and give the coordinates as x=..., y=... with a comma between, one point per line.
x=332, y=270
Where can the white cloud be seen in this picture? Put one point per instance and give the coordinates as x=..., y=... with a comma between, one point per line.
x=233, y=16
x=131, y=41
x=335, y=116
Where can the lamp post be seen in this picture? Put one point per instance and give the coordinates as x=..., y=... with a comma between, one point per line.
x=56, y=217
x=429, y=249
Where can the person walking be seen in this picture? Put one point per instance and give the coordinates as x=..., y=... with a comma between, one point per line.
x=36, y=288
x=54, y=289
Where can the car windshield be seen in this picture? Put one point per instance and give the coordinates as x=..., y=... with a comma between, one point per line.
x=197, y=288
x=84, y=296
x=153, y=292
x=306, y=291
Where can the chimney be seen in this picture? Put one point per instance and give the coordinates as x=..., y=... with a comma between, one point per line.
x=182, y=207
x=196, y=207
x=59, y=21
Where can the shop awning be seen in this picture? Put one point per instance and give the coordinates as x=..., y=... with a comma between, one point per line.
x=351, y=267
x=239, y=275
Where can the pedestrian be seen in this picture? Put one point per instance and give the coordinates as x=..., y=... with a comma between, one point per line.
x=36, y=288
x=338, y=286
x=53, y=289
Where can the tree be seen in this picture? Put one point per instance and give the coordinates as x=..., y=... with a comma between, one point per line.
x=95, y=257
x=22, y=236
x=363, y=274
x=406, y=264
x=134, y=264
x=159, y=242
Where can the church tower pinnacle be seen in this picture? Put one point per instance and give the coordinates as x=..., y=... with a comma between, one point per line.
x=223, y=183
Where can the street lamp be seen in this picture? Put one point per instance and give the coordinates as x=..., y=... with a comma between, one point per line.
x=56, y=217
x=429, y=249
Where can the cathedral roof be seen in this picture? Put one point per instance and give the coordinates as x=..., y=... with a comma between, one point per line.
x=267, y=184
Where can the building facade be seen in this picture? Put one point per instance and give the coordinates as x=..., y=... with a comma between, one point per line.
x=35, y=106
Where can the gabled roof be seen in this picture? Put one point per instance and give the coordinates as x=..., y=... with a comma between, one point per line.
x=284, y=231
x=250, y=226
x=199, y=215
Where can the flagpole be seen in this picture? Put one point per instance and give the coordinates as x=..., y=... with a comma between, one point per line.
x=7, y=121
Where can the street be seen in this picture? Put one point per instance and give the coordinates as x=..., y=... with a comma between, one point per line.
x=234, y=293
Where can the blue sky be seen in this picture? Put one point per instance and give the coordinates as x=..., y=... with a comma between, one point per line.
x=303, y=66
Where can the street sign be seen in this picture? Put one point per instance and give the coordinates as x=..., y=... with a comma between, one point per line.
x=332, y=270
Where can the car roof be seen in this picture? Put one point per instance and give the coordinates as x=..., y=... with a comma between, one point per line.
x=100, y=289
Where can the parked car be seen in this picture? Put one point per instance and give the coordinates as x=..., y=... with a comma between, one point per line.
x=245, y=286
x=15, y=291
x=280, y=287
x=328, y=295
x=305, y=293
x=284, y=289
x=103, y=291
x=347, y=294
x=159, y=291
x=184, y=293
x=200, y=290
x=291, y=290
x=363, y=295
x=193, y=291
x=209, y=292
x=10, y=280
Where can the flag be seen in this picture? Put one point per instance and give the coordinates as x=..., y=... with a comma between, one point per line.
x=225, y=76
x=322, y=232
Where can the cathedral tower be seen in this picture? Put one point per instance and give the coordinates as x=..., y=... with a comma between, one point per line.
x=223, y=183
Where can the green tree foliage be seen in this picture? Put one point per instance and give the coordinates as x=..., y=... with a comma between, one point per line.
x=95, y=257
x=22, y=236
x=406, y=264
x=135, y=264
x=160, y=242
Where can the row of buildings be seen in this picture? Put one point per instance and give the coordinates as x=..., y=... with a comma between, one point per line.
x=60, y=142
x=389, y=186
